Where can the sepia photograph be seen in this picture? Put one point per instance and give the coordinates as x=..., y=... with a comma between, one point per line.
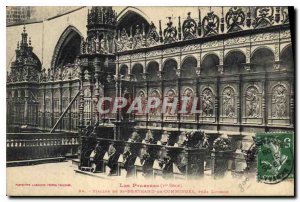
x=150, y=101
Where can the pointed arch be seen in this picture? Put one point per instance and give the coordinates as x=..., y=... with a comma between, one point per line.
x=131, y=9
x=130, y=17
x=67, y=47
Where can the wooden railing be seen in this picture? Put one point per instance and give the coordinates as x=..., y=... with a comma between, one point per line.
x=31, y=146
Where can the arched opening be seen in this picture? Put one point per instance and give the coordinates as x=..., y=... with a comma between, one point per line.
x=152, y=70
x=169, y=70
x=233, y=63
x=124, y=71
x=67, y=47
x=287, y=59
x=137, y=71
x=129, y=19
x=188, y=68
x=262, y=60
x=209, y=65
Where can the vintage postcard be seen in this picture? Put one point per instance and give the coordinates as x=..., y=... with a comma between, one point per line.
x=150, y=101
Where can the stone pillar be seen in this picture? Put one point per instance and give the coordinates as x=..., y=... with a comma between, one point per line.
x=91, y=85
x=277, y=63
x=52, y=109
x=292, y=105
x=195, y=163
x=219, y=163
x=221, y=154
x=264, y=100
x=81, y=102
x=239, y=100
x=26, y=96
x=97, y=96
x=60, y=125
x=70, y=110
x=43, y=109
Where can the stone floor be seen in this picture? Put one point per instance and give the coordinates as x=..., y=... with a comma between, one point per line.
x=61, y=179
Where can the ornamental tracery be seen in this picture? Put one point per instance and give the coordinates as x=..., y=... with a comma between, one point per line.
x=263, y=16
x=123, y=42
x=235, y=18
x=211, y=24
x=189, y=28
x=152, y=37
x=137, y=40
x=170, y=32
x=285, y=14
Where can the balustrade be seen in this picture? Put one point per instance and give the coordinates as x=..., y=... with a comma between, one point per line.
x=31, y=146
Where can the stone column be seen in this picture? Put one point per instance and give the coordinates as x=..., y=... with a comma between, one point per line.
x=81, y=101
x=195, y=163
x=26, y=96
x=219, y=163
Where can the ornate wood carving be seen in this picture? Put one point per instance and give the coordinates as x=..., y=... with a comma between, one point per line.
x=235, y=18
x=211, y=24
x=189, y=28
x=263, y=17
x=170, y=33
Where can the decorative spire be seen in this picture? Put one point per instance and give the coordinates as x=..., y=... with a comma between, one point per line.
x=24, y=54
x=101, y=15
x=24, y=37
x=101, y=27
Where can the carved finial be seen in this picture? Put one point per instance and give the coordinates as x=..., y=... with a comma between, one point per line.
x=160, y=32
x=189, y=15
x=277, y=15
x=222, y=21
x=248, y=20
x=199, y=22
x=29, y=41
x=24, y=29
x=169, y=18
x=179, y=28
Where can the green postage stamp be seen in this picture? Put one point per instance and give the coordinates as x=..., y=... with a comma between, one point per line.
x=275, y=157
